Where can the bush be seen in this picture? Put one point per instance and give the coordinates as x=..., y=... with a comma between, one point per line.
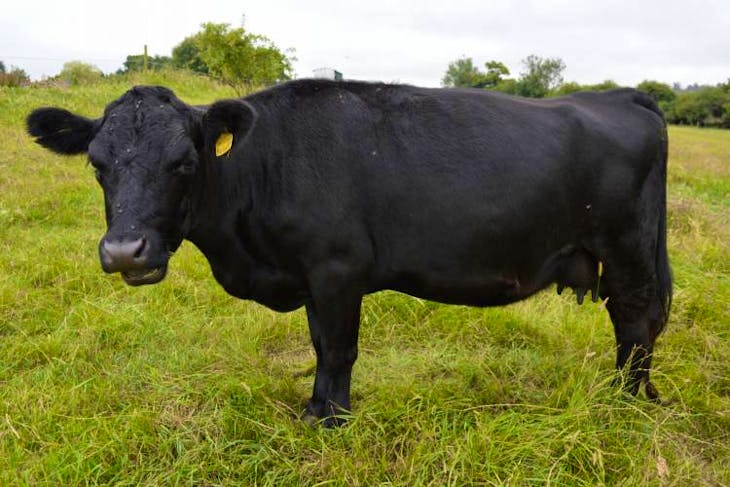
x=135, y=62
x=662, y=92
x=15, y=77
x=605, y=85
x=79, y=73
x=707, y=107
x=568, y=88
x=573, y=87
x=689, y=110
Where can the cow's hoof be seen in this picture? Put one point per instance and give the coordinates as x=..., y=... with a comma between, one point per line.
x=316, y=414
x=313, y=413
x=629, y=386
x=310, y=419
x=334, y=421
x=313, y=420
x=652, y=394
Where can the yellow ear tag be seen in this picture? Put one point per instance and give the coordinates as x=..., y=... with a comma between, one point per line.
x=223, y=144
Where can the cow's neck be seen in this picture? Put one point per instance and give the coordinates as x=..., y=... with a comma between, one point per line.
x=219, y=194
x=222, y=229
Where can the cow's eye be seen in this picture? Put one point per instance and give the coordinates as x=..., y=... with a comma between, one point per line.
x=184, y=166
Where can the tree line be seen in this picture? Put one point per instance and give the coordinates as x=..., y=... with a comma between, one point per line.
x=706, y=106
x=244, y=60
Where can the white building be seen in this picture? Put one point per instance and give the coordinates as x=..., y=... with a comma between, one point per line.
x=328, y=73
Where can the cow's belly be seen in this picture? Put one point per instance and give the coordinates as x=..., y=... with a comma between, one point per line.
x=571, y=266
x=471, y=292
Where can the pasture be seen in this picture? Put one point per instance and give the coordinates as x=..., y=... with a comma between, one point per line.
x=181, y=384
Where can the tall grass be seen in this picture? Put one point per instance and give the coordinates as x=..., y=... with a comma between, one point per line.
x=181, y=384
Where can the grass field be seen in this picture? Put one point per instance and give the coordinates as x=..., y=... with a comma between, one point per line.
x=180, y=384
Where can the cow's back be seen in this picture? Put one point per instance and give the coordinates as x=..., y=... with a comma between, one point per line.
x=450, y=194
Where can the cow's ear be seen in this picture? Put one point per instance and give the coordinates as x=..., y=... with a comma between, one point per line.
x=227, y=124
x=61, y=131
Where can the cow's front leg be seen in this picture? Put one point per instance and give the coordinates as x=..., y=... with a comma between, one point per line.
x=333, y=325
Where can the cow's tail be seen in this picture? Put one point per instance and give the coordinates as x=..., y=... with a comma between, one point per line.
x=663, y=271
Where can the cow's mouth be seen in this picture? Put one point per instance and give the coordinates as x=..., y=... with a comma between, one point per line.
x=139, y=277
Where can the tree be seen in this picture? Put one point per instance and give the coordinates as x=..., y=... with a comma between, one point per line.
x=187, y=56
x=541, y=75
x=240, y=59
x=462, y=73
x=495, y=74
x=79, y=73
x=2, y=67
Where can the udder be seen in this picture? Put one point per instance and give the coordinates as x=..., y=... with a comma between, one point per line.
x=578, y=270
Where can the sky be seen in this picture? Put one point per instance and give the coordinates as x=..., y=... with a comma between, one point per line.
x=394, y=41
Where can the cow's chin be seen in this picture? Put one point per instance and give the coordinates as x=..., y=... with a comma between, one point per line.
x=144, y=276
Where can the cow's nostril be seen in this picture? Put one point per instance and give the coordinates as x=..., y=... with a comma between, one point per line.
x=140, y=248
x=121, y=255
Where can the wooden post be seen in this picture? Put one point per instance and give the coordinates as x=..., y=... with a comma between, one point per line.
x=144, y=59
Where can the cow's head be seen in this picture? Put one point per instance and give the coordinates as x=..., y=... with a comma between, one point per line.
x=147, y=150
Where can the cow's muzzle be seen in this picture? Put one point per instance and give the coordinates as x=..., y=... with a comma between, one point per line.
x=134, y=258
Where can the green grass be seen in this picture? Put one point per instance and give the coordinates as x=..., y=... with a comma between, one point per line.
x=181, y=384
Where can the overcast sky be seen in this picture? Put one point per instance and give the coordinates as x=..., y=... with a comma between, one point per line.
x=408, y=41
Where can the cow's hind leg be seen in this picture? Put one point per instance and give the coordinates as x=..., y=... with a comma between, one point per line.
x=638, y=318
x=333, y=325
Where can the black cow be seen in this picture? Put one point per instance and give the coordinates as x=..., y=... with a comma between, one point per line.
x=315, y=193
